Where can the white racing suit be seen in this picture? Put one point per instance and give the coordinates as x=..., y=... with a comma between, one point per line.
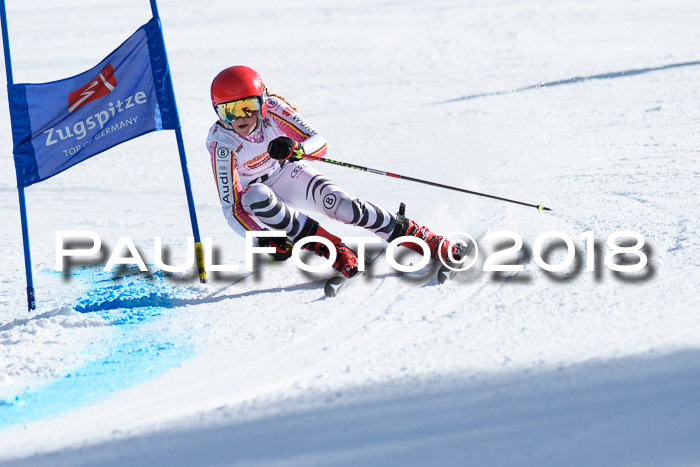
x=258, y=192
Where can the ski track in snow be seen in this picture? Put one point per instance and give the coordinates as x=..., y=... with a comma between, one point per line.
x=589, y=108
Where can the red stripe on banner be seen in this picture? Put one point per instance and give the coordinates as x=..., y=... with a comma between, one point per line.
x=100, y=86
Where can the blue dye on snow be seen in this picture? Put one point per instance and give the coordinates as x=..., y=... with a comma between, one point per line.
x=134, y=352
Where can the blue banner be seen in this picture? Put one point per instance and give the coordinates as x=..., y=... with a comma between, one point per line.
x=59, y=124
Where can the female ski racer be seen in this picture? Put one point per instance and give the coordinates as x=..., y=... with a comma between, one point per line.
x=257, y=148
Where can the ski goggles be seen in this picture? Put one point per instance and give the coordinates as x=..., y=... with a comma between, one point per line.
x=241, y=108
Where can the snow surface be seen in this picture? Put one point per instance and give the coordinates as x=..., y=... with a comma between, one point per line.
x=589, y=107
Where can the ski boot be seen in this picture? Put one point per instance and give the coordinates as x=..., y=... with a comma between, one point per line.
x=346, y=260
x=406, y=227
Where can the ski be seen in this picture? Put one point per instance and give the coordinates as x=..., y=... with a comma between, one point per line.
x=337, y=283
x=444, y=273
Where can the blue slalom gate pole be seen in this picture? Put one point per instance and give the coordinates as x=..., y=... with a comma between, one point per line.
x=31, y=299
x=183, y=161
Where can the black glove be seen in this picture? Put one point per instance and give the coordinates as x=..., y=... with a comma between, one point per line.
x=283, y=245
x=285, y=148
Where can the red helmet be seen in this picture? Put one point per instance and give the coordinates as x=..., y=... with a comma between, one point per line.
x=238, y=82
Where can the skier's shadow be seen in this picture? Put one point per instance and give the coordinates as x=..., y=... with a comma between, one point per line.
x=292, y=288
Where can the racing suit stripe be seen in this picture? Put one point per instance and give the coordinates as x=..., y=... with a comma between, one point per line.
x=290, y=129
x=239, y=213
x=320, y=152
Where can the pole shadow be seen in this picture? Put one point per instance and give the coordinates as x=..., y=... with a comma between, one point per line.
x=574, y=80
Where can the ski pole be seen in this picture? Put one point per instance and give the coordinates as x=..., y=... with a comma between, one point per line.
x=418, y=180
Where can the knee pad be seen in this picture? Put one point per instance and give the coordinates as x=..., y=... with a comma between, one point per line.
x=256, y=197
x=338, y=206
